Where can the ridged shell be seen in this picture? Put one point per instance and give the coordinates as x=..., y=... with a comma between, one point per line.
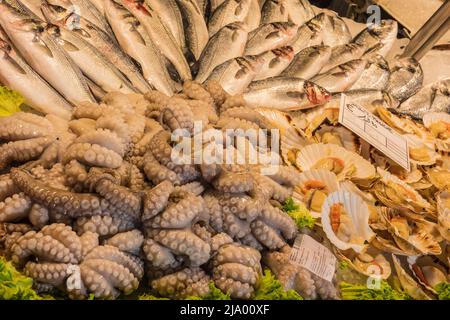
x=427, y=272
x=349, y=186
x=415, y=143
x=408, y=283
x=434, y=117
x=291, y=144
x=348, y=139
x=374, y=265
x=358, y=212
x=443, y=209
x=311, y=120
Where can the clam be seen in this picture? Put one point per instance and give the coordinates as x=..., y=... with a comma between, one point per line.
x=345, y=221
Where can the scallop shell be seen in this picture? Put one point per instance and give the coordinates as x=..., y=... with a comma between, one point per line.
x=354, y=166
x=401, y=125
x=291, y=143
x=276, y=118
x=311, y=120
x=443, y=209
x=414, y=142
x=370, y=265
x=427, y=272
x=358, y=212
x=433, y=117
x=349, y=186
x=348, y=139
x=328, y=178
x=439, y=177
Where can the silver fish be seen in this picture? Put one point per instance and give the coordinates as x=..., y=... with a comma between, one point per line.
x=215, y=4
x=253, y=19
x=91, y=62
x=226, y=44
x=32, y=7
x=375, y=76
x=170, y=15
x=228, y=12
x=99, y=5
x=342, y=77
x=308, y=62
x=432, y=98
x=299, y=11
x=98, y=38
x=16, y=74
x=285, y=93
x=161, y=37
x=98, y=92
x=337, y=32
x=196, y=30
x=406, y=79
x=85, y=9
x=384, y=33
x=270, y=36
x=275, y=61
x=344, y=53
x=203, y=5
x=274, y=11
x=236, y=74
x=310, y=34
x=368, y=98
x=44, y=55
x=135, y=41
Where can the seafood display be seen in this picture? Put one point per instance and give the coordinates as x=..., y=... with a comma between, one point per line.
x=181, y=148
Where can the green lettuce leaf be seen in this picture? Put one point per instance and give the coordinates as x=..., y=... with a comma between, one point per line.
x=299, y=213
x=443, y=290
x=361, y=292
x=10, y=101
x=147, y=296
x=270, y=288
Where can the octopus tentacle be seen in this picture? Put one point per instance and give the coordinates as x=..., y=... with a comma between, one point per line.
x=232, y=102
x=23, y=150
x=234, y=253
x=91, y=111
x=235, y=289
x=76, y=175
x=285, y=176
x=178, y=115
x=279, y=220
x=136, y=181
x=217, y=93
x=268, y=236
x=237, y=272
x=96, y=283
x=158, y=173
x=7, y=187
x=220, y=240
x=15, y=208
x=241, y=205
x=66, y=236
x=47, y=272
x=250, y=241
x=130, y=241
x=195, y=91
x=234, y=226
x=22, y=126
x=136, y=126
x=89, y=241
x=215, y=212
x=159, y=256
x=115, y=124
x=39, y=215
x=156, y=199
x=157, y=97
x=93, y=155
x=82, y=126
x=105, y=138
x=103, y=225
x=234, y=182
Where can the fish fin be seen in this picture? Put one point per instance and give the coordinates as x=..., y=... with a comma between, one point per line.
x=69, y=46
x=15, y=65
x=45, y=49
x=240, y=74
x=274, y=62
x=273, y=35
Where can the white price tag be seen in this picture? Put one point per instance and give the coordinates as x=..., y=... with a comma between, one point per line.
x=373, y=130
x=313, y=256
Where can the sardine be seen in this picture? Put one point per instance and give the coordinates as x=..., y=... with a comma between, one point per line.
x=385, y=33
x=432, y=98
x=196, y=30
x=270, y=36
x=91, y=62
x=228, y=12
x=274, y=11
x=133, y=38
x=344, y=53
x=16, y=74
x=226, y=44
x=406, y=79
x=44, y=55
x=275, y=61
x=310, y=34
x=342, y=77
x=337, y=32
x=98, y=38
x=299, y=11
x=161, y=37
x=285, y=93
x=375, y=76
x=253, y=19
x=308, y=62
x=170, y=16
x=236, y=74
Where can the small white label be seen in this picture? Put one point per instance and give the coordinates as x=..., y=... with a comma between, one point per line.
x=313, y=256
x=374, y=131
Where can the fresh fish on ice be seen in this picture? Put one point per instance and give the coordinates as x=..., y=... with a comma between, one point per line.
x=344, y=53
x=308, y=62
x=253, y=19
x=275, y=61
x=406, y=79
x=336, y=32
x=274, y=11
x=228, y=12
x=385, y=34
x=270, y=36
x=375, y=76
x=311, y=33
x=299, y=11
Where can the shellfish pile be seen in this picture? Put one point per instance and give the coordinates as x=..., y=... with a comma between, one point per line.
x=94, y=202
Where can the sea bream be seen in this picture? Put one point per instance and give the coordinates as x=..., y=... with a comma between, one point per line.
x=382, y=35
x=270, y=36
x=285, y=93
x=253, y=19
x=236, y=74
x=375, y=76
x=336, y=32
x=308, y=62
x=135, y=41
x=310, y=34
x=160, y=35
x=368, y=98
x=275, y=61
x=98, y=38
x=228, y=12
x=274, y=11
x=228, y=43
x=406, y=79
x=17, y=75
x=44, y=55
x=342, y=54
x=299, y=11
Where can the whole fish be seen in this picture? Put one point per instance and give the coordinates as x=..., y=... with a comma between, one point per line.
x=42, y=53
x=275, y=61
x=203, y=6
x=274, y=11
x=311, y=33
x=98, y=92
x=99, y=5
x=270, y=36
x=170, y=15
x=161, y=37
x=98, y=38
x=135, y=41
x=342, y=77
x=85, y=9
x=226, y=44
x=299, y=11
x=406, y=79
x=384, y=33
x=228, y=12
x=375, y=76
x=285, y=93
x=236, y=74
x=342, y=54
x=337, y=32
x=32, y=7
x=253, y=19
x=431, y=98
x=196, y=30
x=91, y=62
x=308, y=62
x=16, y=74
x=215, y=4
x=368, y=98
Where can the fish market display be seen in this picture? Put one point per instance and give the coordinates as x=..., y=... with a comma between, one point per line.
x=182, y=147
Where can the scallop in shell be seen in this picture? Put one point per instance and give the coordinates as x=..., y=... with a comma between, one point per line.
x=345, y=221
x=439, y=125
x=291, y=143
x=443, y=210
x=427, y=272
x=311, y=120
x=421, y=153
x=349, y=186
x=372, y=264
x=439, y=177
x=337, y=135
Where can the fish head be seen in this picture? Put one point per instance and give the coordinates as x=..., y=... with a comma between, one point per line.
x=287, y=28
x=317, y=23
x=386, y=29
x=10, y=14
x=54, y=13
x=138, y=7
x=286, y=53
x=250, y=64
x=316, y=94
